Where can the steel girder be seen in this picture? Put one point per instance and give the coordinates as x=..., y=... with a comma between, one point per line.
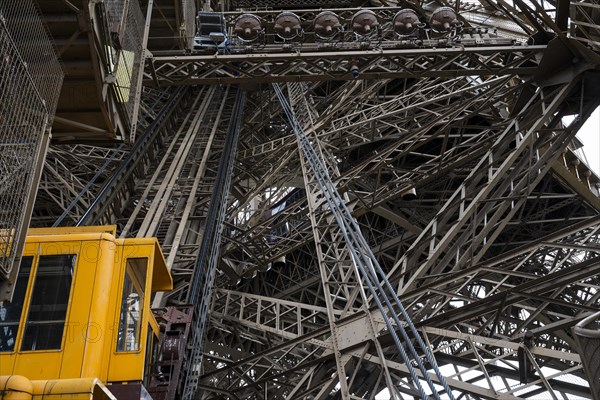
x=500, y=239
x=298, y=335
x=173, y=203
x=380, y=63
x=500, y=174
x=67, y=190
x=95, y=182
x=506, y=164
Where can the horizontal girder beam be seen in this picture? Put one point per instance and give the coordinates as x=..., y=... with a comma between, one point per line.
x=337, y=65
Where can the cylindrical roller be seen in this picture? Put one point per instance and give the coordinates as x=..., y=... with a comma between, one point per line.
x=363, y=22
x=409, y=194
x=247, y=27
x=405, y=21
x=327, y=24
x=287, y=25
x=443, y=19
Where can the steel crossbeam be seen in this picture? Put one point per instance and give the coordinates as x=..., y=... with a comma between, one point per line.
x=489, y=176
x=329, y=65
x=341, y=286
x=474, y=148
x=294, y=325
x=456, y=157
x=69, y=186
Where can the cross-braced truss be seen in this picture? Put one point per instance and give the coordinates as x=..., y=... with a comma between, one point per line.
x=456, y=156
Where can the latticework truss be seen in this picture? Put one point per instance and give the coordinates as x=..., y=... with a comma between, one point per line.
x=455, y=154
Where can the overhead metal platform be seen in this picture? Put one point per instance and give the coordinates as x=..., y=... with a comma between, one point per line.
x=102, y=48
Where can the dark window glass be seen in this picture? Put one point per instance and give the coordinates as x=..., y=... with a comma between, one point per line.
x=132, y=302
x=151, y=355
x=10, y=311
x=49, y=302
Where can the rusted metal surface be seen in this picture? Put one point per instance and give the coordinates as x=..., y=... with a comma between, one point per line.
x=167, y=367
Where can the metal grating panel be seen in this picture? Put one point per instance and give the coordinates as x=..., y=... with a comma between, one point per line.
x=30, y=81
x=126, y=53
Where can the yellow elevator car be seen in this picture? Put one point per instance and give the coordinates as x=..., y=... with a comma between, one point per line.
x=79, y=323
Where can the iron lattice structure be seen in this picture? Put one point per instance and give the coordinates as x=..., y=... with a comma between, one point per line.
x=455, y=154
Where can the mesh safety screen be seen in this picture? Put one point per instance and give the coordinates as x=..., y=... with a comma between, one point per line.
x=127, y=53
x=30, y=81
